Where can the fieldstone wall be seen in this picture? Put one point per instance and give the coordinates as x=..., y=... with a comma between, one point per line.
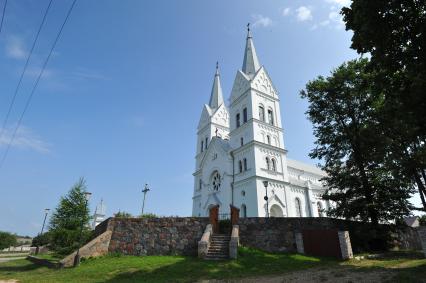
x=422, y=235
x=279, y=234
x=156, y=236
x=96, y=247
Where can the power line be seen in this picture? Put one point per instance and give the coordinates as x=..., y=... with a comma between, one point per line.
x=36, y=83
x=6, y=119
x=2, y=17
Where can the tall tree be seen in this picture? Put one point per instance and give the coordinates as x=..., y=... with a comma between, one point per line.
x=68, y=218
x=394, y=34
x=342, y=108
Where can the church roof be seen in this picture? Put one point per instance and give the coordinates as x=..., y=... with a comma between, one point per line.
x=216, y=97
x=250, y=64
x=305, y=167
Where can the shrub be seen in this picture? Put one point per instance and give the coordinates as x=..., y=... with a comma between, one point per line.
x=7, y=240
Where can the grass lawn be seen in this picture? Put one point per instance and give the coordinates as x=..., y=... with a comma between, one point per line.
x=251, y=263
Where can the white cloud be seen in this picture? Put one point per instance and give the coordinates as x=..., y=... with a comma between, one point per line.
x=324, y=23
x=24, y=139
x=340, y=2
x=286, y=11
x=337, y=19
x=261, y=21
x=15, y=48
x=303, y=14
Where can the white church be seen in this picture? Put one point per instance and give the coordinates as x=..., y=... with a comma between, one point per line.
x=241, y=154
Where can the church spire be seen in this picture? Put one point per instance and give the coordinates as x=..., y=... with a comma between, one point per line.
x=251, y=63
x=216, y=98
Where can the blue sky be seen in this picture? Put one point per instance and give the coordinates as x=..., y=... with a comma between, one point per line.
x=123, y=92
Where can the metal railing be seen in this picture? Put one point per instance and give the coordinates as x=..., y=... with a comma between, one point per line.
x=224, y=216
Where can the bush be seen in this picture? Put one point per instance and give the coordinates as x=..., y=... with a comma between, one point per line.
x=148, y=215
x=123, y=214
x=7, y=240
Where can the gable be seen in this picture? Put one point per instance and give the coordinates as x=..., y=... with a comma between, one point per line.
x=263, y=83
x=241, y=85
x=218, y=149
x=221, y=116
x=205, y=116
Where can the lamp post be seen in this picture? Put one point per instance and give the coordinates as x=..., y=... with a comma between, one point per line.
x=46, y=212
x=144, y=191
x=77, y=255
x=265, y=183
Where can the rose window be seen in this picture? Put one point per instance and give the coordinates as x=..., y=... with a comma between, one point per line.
x=216, y=181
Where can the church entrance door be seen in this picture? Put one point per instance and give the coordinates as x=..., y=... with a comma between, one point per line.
x=214, y=218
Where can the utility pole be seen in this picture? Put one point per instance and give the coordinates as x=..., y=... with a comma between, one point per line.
x=46, y=212
x=144, y=191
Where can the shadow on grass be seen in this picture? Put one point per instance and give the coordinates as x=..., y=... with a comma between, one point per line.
x=249, y=263
x=16, y=267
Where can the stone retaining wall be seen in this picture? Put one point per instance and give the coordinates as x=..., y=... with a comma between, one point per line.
x=422, y=236
x=157, y=236
x=96, y=247
x=278, y=234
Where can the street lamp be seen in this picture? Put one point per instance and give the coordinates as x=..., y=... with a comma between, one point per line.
x=77, y=255
x=265, y=183
x=144, y=191
x=46, y=212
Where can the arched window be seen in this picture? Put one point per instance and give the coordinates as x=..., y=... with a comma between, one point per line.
x=261, y=113
x=202, y=146
x=274, y=165
x=243, y=211
x=207, y=141
x=244, y=115
x=319, y=208
x=242, y=141
x=240, y=165
x=270, y=117
x=237, y=118
x=268, y=139
x=245, y=164
x=298, y=207
x=267, y=163
x=200, y=184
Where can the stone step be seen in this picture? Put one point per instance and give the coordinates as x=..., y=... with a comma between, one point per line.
x=216, y=257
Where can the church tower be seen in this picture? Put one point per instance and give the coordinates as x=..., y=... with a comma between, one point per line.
x=211, y=180
x=256, y=136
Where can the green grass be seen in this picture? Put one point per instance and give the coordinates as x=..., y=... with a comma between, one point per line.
x=250, y=263
x=161, y=268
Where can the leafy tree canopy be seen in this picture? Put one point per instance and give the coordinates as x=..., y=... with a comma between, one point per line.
x=342, y=108
x=394, y=34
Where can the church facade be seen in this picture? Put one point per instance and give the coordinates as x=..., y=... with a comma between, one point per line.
x=241, y=156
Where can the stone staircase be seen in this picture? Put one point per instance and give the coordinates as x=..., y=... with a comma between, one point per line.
x=219, y=247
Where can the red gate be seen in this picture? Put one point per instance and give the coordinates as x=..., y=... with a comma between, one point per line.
x=214, y=218
x=321, y=243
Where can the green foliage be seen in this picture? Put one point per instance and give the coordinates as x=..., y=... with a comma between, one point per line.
x=343, y=110
x=42, y=239
x=123, y=214
x=71, y=215
x=7, y=240
x=394, y=33
x=148, y=215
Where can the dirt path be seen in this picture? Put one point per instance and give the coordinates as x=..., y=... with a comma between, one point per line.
x=340, y=274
